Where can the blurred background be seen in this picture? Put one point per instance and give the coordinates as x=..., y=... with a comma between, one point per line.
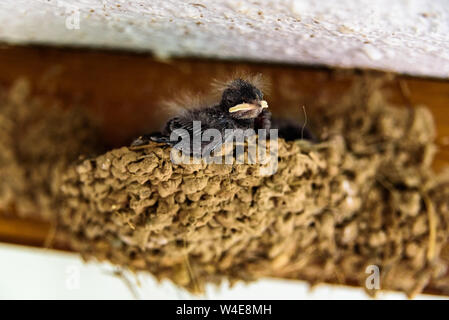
x=118, y=60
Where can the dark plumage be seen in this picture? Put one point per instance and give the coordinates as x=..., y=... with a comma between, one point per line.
x=241, y=107
x=290, y=130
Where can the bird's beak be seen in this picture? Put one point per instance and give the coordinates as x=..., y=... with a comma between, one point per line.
x=249, y=106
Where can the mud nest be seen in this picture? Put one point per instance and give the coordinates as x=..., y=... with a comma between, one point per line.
x=364, y=196
x=38, y=140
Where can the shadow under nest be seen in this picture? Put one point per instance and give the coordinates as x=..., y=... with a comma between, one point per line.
x=366, y=195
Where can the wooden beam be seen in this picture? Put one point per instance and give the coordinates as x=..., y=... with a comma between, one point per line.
x=124, y=90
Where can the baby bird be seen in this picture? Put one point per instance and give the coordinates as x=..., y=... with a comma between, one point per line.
x=241, y=107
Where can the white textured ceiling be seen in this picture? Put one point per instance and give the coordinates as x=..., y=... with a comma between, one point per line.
x=408, y=36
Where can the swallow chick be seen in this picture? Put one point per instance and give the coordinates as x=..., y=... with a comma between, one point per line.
x=291, y=130
x=241, y=107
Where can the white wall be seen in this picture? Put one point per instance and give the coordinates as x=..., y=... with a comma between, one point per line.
x=410, y=36
x=31, y=273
